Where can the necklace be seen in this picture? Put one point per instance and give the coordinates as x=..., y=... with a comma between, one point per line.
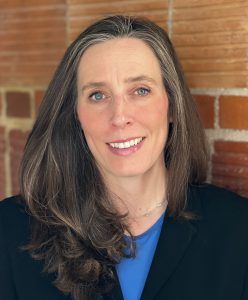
x=151, y=211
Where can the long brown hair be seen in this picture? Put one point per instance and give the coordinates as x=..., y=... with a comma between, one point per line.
x=76, y=231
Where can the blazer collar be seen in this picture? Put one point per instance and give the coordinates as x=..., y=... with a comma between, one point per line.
x=175, y=238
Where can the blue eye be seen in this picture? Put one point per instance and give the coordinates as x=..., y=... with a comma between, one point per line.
x=97, y=96
x=142, y=91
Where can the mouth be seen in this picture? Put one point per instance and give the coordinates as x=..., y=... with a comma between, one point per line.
x=127, y=143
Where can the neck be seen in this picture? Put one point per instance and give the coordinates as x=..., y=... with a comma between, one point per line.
x=139, y=197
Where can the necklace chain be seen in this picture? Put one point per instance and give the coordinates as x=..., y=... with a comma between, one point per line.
x=151, y=211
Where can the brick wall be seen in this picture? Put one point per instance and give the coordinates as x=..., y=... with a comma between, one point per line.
x=211, y=38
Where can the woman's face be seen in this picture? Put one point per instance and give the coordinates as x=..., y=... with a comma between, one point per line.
x=123, y=107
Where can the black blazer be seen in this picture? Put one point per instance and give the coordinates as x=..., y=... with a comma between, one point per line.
x=203, y=259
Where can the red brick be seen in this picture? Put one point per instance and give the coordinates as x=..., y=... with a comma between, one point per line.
x=22, y=4
x=205, y=105
x=233, y=147
x=190, y=3
x=234, y=112
x=238, y=185
x=18, y=104
x=216, y=79
x=230, y=170
x=230, y=166
x=2, y=166
x=38, y=98
x=17, y=142
x=211, y=39
x=82, y=13
x=29, y=49
x=231, y=158
x=230, y=154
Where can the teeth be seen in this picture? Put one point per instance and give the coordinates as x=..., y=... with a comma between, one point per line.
x=126, y=144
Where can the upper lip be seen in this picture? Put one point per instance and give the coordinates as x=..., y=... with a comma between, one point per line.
x=126, y=140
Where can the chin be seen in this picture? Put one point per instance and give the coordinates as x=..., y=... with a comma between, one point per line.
x=128, y=172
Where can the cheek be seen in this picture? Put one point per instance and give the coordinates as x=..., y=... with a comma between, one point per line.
x=91, y=124
x=87, y=122
x=158, y=114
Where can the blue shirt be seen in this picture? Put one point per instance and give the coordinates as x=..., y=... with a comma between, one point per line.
x=132, y=272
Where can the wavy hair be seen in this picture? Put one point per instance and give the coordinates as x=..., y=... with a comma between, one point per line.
x=76, y=231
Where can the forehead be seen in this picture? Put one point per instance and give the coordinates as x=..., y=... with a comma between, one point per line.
x=122, y=55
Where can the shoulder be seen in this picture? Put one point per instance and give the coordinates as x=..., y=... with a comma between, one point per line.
x=222, y=218
x=219, y=202
x=14, y=219
x=12, y=207
x=11, y=203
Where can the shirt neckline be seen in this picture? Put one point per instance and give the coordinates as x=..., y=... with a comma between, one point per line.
x=139, y=236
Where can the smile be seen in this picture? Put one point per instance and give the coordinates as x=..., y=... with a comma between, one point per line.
x=127, y=144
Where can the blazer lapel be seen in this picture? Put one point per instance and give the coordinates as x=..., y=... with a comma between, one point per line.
x=116, y=293
x=173, y=242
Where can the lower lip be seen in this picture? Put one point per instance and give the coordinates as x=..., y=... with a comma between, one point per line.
x=126, y=151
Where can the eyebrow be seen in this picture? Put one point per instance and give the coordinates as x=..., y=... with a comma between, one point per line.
x=92, y=85
x=127, y=80
x=140, y=78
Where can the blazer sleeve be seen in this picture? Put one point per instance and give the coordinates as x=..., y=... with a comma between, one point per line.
x=7, y=289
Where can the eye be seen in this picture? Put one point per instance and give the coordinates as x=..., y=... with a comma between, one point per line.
x=142, y=91
x=97, y=96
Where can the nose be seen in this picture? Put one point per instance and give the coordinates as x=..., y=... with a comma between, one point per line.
x=121, y=115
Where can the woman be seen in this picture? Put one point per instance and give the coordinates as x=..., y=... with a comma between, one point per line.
x=113, y=203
